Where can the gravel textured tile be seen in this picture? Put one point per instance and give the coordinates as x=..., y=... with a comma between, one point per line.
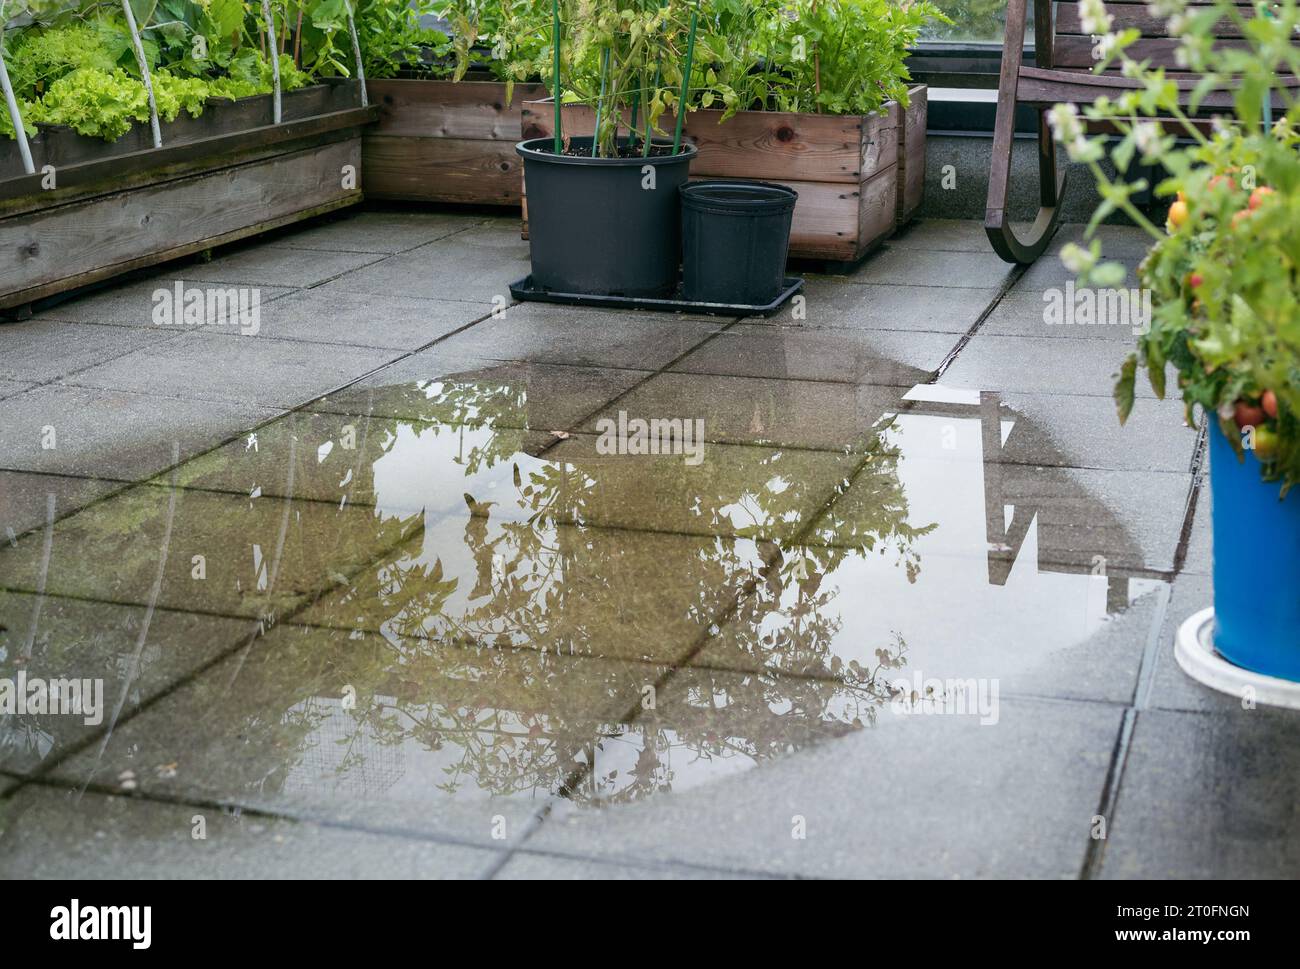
x=119, y=656
x=202, y=366
x=1014, y=364
x=1200, y=544
x=825, y=810
x=1026, y=314
x=273, y=265
x=546, y=333
x=943, y=235
x=379, y=732
x=40, y=350
x=392, y=322
x=51, y=832
x=926, y=267
x=757, y=410
x=446, y=387
x=850, y=356
x=11, y=388
x=1208, y=796
x=132, y=304
x=1170, y=687
x=383, y=231
x=25, y=499
x=59, y=429
x=532, y=866
x=832, y=303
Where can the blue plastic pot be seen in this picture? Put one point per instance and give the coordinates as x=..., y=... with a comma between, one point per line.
x=1256, y=565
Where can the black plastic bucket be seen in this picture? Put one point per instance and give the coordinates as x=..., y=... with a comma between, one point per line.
x=734, y=241
x=604, y=226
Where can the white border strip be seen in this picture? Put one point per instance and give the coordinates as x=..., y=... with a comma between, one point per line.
x=1195, y=652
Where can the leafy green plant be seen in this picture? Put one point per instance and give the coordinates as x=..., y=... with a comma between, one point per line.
x=1224, y=272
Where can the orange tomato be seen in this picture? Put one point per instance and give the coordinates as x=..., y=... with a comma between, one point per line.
x=1178, y=213
x=1257, y=197
x=1268, y=401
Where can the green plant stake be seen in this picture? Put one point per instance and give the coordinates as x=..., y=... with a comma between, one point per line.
x=555, y=88
x=686, y=82
x=600, y=102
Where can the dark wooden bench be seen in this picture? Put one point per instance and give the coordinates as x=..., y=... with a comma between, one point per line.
x=1063, y=72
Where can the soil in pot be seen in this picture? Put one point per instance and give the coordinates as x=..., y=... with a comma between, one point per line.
x=604, y=226
x=1256, y=564
x=734, y=241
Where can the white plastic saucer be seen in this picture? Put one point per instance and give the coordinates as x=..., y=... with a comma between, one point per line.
x=1199, y=659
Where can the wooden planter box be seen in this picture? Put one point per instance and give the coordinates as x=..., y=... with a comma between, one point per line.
x=215, y=180
x=854, y=189
x=911, y=154
x=445, y=141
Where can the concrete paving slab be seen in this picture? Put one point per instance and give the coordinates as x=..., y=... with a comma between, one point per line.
x=821, y=811
x=547, y=333
x=1208, y=796
x=119, y=656
x=12, y=388
x=244, y=370
x=51, y=832
x=272, y=265
x=943, y=235
x=930, y=268
x=39, y=350
x=1012, y=364
x=445, y=387
x=438, y=740
x=881, y=357
x=384, y=232
x=60, y=429
x=834, y=303
x=25, y=499
x=757, y=410
x=531, y=866
x=1200, y=544
x=132, y=303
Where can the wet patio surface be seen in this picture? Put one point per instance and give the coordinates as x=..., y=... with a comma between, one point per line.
x=369, y=595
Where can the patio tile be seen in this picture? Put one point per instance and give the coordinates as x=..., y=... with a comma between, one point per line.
x=757, y=410
x=24, y=499
x=131, y=304
x=391, y=322
x=1050, y=273
x=945, y=235
x=439, y=385
x=859, y=824
x=546, y=333
x=932, y=469
x=531, y=866
x=379, y=732
x=832, y=303
x=476, y=266
x=925, y=267
x=130, y=654
x=1056, y=430
x=1171, y=688
x=249, y=369
x=1040, y=365
x=748, y=491
x=850, y=356
x=274, y=265
x=489, y=581
x=46, y=832
x=11, y=388
x=256, y=557
x=112, y=434
x=397, y=467
x=7, y=784
x=382, y=232
x=40, y=350
x=1040, y=631
x=1118, y=242
x=1023, y=315
x=1208, y=796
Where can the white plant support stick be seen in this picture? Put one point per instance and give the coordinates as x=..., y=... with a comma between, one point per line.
x=144, y=71
x=275, y=59
x=356, y=52
x=15, y=115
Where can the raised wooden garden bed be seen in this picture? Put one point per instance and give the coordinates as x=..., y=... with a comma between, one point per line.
x=445, y=141
x=228, y=174
x=855, y=187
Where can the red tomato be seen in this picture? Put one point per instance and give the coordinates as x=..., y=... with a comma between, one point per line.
x=1268, y=401
x=1248, y=415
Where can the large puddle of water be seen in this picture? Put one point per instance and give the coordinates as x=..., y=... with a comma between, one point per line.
x=343, y=606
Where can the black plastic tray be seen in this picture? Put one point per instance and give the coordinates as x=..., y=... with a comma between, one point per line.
x=524, y=289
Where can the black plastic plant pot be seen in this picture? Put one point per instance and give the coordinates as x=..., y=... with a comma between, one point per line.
x=604, y=226
x=734, y=241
